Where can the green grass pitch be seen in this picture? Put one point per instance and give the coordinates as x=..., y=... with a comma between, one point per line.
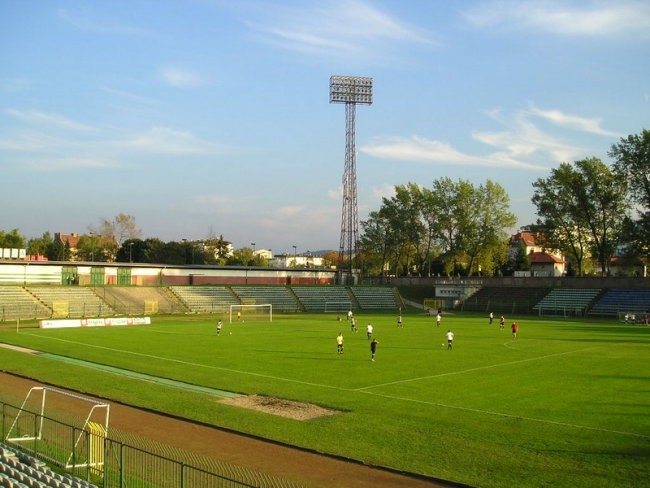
x=566, y=403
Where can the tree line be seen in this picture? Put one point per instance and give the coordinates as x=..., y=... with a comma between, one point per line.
x=588, y=211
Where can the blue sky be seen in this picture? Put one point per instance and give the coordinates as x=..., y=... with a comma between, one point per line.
x=203, y=117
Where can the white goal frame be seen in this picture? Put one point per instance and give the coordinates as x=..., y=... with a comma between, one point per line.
x=98, y=430
x=243, y=307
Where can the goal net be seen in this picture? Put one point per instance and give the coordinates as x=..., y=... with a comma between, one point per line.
x=338, y=306
x=73, y=428
x=261, y=312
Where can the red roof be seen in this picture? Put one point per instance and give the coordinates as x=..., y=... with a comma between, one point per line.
x=543, y=258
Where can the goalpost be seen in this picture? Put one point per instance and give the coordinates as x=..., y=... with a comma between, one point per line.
x=260, y=311
x=87, y=447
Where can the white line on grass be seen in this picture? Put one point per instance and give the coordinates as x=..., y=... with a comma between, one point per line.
x=187, y=363
x=392, y=397
x=471, y=370
x=507, y=415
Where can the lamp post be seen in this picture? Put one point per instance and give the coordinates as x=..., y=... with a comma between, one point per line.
x=295, y=263
x=92, y=246
x=130, y=252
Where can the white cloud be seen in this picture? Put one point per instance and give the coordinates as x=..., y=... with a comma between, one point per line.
x=182, y=78
x=584, y=124
x=423, y=150
x=84, y=19
x=596, y=18
x=521, y=144
x=51, y=121
x=67, y=164
x=163, y=140
x=340, y=28
x=385, y=191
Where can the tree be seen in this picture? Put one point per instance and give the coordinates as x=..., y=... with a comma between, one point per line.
x=580, y=209
x=632, y=163
x=375, y=243
x=485, y=237
x=42, y=246
x=12, y=240
x=121, y=228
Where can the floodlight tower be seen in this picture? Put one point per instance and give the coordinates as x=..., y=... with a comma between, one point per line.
x=351, y=90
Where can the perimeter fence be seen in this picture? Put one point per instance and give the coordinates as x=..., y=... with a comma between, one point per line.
x=103, y=460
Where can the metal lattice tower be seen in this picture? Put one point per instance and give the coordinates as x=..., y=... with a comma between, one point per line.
x=351, y=90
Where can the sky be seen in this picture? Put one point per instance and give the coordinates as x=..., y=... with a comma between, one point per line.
x=210, y=117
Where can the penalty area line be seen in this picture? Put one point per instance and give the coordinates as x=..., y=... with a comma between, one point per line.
x=188, y=363
x=507, y=415
x=471, y=370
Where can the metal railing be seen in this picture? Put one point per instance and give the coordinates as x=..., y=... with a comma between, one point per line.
x=109, y=463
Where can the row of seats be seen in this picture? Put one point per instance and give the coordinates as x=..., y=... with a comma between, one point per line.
x=205, y=299
x=508, y=300
x=323, y=298
x=287, y=299
x=614, y=302
x=18, y=470
x=618, y=301
x=375, y=297
x=80, y=301
x=279, y=296
x=567, y=300
x=17, y=303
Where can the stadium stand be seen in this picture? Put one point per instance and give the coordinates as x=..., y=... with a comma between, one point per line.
x=205, y=299
x=131, y=300
x=567, y=301
x=324, y=298
x=80, y=301
x=18, y=470
x=508, y=300
x=281, y=297
x=619, y=301
x=16, y=303
x=376, y=297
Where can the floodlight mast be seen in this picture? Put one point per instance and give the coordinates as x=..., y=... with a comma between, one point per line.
x=350, y=90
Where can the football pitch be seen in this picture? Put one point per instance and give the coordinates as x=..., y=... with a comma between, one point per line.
x=566, y=403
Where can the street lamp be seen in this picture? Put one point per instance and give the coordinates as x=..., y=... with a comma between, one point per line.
x=295, y=262
x=130, y=252
x=92, y=246
x=253, y=246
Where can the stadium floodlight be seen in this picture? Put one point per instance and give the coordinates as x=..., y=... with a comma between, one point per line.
x=350, y=90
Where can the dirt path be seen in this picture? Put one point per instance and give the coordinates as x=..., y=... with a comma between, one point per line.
x=306, y=468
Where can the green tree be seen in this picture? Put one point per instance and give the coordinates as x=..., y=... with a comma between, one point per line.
x=632, y=163
x=42, y=246
x=12, y=240
x=375, y=244
x=581, y=209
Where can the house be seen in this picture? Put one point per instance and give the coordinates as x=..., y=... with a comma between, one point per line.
x=101, y=247
x=543, y=262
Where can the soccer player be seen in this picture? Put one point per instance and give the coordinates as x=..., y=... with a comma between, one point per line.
x=399, y=321
x=438, y=319
x=515, y=328
x=353, y=324
x=373, y=349
x=219, y=326
x=339, y=343
x=502, y=322
x=369, y=329
x=450, y=339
